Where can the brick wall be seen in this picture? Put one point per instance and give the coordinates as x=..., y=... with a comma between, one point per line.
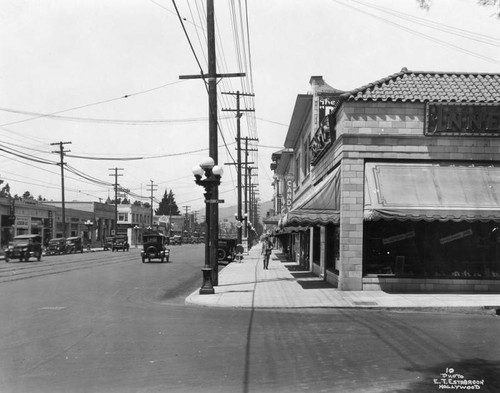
x=384, y=131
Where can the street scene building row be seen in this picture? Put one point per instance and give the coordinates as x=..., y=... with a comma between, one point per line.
x=394, y=185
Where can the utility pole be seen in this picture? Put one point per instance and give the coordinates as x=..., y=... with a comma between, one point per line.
x=116, y=174
x=239, y=111
x=152, y=188
x=61, y=152
x=186, y=219
x=211, y=241
x=247, y=163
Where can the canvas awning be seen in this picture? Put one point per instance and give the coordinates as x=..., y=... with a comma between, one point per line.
x=431, y=192
x=321, y=207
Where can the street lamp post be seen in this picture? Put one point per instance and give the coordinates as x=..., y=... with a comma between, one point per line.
x=89, y=224
x=210, y=183
x=136, y=229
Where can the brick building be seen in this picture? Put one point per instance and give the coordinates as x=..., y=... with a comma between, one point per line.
x=396, y=184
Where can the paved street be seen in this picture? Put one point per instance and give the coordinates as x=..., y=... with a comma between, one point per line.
x=104, y=322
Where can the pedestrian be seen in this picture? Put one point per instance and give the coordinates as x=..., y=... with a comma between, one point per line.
x=267, y=247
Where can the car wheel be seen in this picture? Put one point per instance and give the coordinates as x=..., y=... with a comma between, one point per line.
x=162, y=259
x=221, y=254
x=7, y=259
x=143, y=259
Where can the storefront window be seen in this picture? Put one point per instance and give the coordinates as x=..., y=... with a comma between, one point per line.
x=332, y=248
x=316, y=245
x=432, y=249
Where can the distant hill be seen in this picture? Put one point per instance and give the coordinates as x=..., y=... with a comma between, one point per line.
x=227, y=213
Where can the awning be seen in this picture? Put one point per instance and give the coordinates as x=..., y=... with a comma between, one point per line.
x=321, y=208
x=431, y=192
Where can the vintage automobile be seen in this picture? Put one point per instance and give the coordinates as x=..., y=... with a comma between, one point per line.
x=56, y=246
x=74, y=244
x=154, y=247
x=176, y=239
x=24, y=247
x=226, y=250
x=120, y=242
x=108, y=243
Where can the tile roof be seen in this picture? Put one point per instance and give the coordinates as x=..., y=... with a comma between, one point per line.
x=419, y=86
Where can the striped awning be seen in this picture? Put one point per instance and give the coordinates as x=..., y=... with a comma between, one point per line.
x=321, y=208
x=431, y=192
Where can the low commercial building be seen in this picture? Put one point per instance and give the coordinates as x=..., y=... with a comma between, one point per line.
x=396, y=185
x=92, y=221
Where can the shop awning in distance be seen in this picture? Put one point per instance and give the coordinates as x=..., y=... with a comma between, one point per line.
x=321, y=208
x=431, y=192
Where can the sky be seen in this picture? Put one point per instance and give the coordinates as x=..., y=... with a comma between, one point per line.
x=104, y=75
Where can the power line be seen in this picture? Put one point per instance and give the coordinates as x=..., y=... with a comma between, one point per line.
x=187, y=37
x=114, y=121
x=91, y=104
x=426, y=36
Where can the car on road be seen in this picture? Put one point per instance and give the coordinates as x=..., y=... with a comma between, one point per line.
x=24, y=247
x=154, y=247
x=74, y=244
x=176, y=239
x=56, y=246
x=120, y=242
x=108, y=243
x=226, y=249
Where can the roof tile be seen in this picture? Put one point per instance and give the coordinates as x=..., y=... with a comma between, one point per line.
x=418, y=86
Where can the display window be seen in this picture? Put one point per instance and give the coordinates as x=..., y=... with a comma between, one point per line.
x=432, y=249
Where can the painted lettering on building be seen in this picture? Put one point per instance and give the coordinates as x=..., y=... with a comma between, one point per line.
x=461, y=119
x=22, y=221
x=287, y=194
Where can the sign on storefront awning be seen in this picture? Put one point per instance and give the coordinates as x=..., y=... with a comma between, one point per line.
x=431, y=192
x=321, y=208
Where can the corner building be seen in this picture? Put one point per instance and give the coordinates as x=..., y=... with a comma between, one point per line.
x=396, y=183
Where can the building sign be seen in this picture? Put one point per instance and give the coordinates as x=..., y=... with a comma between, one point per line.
x=322, y=138
x=327, y=105
x=287, y=194
x=460, y=119
x=22, y=221
x=456, y=236
x=398, y=238
x=36, y=222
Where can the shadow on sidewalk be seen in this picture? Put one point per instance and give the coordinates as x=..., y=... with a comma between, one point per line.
x=315, y=284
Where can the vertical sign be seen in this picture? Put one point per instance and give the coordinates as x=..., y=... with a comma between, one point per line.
x=287, y=194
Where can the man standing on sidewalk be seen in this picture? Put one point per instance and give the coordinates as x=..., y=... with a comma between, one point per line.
x=267, y=247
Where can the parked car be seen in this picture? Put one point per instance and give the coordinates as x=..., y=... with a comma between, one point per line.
x=176, y=239
x=226, y=250
x=56, y=246
x=154, y=247
x=24, y=247
x=74, y=244
x=120, y=242
x=108, y=243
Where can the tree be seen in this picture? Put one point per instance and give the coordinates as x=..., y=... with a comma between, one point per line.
x=167, y=205
x=5, y=190
x=27, y=195
x=426, y=5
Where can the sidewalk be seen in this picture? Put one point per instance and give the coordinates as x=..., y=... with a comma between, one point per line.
x=248, y=285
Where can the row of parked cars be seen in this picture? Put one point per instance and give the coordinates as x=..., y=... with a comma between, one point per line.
x=24, y=247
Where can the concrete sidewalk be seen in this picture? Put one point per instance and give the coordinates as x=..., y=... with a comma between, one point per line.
x=248, y=285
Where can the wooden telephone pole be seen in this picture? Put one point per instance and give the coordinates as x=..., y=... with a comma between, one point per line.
x=239, y=113
x=61, y=152
x=212, y=209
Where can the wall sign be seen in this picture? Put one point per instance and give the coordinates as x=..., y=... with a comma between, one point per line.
x=461, y=119
x=287, y=194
